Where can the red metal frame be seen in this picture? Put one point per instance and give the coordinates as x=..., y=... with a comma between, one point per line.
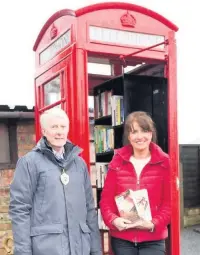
x=71, y=63
x=173, y=144
x=122, y=57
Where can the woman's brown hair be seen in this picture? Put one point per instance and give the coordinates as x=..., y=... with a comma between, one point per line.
x=144, y=121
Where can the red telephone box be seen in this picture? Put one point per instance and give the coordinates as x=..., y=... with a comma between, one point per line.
x=120, y=35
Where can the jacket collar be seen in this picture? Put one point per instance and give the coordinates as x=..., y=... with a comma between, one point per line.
x=70, y=149
x=157, y=154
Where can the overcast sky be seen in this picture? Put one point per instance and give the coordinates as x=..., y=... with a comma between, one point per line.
x=21, y=21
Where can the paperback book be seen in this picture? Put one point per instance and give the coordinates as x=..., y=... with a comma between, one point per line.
x=134, y=205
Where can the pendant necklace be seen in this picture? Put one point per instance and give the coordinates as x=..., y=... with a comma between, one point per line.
x=64, y=178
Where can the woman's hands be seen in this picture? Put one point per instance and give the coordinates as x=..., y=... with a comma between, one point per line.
x=121, y=223
x=124, y=224
x=142, y=224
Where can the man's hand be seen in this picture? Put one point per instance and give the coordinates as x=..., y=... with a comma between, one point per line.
x=141, y=224
x=121, y=223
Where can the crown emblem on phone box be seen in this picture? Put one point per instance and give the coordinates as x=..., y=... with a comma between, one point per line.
x=127, y=20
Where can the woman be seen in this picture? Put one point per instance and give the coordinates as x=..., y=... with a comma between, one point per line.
x=139, y=165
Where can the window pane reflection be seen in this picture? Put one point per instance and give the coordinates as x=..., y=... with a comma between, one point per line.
x=52, y=91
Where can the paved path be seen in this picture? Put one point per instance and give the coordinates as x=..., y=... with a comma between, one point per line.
x=190, y=241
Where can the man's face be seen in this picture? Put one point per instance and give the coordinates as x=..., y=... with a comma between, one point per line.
x=56, y=131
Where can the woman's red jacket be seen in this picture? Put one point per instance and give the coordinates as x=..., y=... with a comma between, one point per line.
x=155, y=177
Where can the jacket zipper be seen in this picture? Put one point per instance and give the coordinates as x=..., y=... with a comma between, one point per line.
x=138, y=183
x=137, y=188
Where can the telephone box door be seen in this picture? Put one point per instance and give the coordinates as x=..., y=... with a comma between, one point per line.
x=54, y=89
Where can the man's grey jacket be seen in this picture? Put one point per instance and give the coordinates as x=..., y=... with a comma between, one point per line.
x=49, y=218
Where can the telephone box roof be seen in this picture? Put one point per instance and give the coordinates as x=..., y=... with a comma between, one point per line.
x=103, y=6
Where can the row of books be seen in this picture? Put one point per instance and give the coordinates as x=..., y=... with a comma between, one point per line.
x=102, y=104
x=105, y=241
x=117, y=110
x=106, y=104
x=101, y=223
x=101, y=172
x=98, y=174
x=103, y=138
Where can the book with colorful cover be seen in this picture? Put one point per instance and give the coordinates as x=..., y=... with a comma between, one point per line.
x=134, y=205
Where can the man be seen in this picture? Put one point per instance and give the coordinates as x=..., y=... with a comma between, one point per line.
x=51, y=202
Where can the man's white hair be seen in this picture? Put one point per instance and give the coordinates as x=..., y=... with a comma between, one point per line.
x=53, y=112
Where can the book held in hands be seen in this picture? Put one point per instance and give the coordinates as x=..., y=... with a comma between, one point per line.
x=134, y=205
